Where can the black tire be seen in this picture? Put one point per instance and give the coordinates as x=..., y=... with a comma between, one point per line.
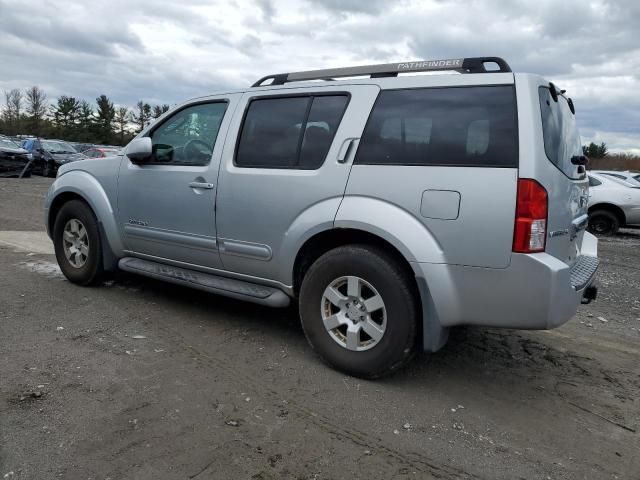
x=396, y=346
x=92, y=272
x=48, y=170
x=603, y=222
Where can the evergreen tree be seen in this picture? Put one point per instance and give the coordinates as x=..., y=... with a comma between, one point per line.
x=595, y=151
x=121, y=122
x=85, y=123
x=159, y=110
x=65, y=114
x=142, y=116
x=105, y=115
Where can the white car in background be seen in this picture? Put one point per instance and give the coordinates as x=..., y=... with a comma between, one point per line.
x=632, y=178
x=613, y=203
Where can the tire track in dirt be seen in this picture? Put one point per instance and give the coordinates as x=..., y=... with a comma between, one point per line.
x=414, y=460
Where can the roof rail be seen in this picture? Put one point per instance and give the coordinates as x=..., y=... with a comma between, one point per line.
x=462, y=65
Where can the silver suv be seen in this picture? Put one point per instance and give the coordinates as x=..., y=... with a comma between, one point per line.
x=389, y=208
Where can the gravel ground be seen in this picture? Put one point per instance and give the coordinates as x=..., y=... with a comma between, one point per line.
x=137, y=379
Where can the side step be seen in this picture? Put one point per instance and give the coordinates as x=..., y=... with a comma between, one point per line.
x=228, y=287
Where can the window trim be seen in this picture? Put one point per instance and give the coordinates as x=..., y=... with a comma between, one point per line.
x=152, y=130
x=455, y=165
x=333, y=93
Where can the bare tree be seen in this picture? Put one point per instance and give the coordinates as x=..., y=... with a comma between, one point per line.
x=36, y=108
x=13, y=110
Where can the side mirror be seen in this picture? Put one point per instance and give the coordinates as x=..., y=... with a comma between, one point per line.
x=139, y=150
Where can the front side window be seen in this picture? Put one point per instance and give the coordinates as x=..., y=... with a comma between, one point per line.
x=188, y=136
x=456, y=126
x=289, y=132
x=561, y=138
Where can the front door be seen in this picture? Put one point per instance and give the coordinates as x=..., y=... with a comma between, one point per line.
x=166, y=206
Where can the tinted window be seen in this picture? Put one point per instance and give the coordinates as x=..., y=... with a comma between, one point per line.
x=561, y=139
x=189, y=135
x=472, y=126
x=593, y=182
x=291, y=132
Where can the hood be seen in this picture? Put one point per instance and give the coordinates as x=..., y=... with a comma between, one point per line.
x=15, y=151
x=67, y=157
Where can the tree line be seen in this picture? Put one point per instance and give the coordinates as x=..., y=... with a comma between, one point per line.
x=29, y=112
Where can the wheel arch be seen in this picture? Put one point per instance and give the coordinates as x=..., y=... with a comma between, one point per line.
x=431, y=335
x=83, y=186
x=320, y=243
x=610, y=207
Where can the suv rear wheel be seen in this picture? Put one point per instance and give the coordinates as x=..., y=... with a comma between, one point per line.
x=603, y=222
x=76, y=240
x=359, y=311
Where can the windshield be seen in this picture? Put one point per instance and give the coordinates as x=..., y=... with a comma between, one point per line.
x=57, y=147
x=5, y=142
x=561, y=138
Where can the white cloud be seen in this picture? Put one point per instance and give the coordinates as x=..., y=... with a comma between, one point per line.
x=165, y=51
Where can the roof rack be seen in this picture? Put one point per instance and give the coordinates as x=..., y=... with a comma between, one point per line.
x=462, y=65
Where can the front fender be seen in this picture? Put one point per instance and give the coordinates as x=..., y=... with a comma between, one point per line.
x=393, y=224
x=87, y=187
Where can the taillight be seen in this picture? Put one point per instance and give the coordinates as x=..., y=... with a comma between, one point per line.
x=530, y=232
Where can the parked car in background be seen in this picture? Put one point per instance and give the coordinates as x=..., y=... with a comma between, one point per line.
x=633, y=178
x=101, y=152
x=613, y=203
x=82, y=147
x=15, y=161
x=49, y=155
x=389, y=208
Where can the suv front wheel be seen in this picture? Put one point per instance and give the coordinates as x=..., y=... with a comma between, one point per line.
x=76, y=239
x=359, y=311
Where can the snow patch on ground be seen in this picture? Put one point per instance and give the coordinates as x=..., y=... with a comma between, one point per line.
x=48, y=269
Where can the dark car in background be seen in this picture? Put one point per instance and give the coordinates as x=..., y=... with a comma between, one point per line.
x=82, y=147
x=49, y=155
x=15, y=161
x=101, y=152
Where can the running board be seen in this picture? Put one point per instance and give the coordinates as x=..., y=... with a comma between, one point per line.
x=228, y=287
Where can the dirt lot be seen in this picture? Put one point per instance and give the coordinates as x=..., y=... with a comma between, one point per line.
x=222, y=389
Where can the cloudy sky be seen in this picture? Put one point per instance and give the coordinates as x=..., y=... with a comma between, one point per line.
x=167, y=51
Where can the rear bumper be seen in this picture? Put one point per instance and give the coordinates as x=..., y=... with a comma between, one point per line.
x=536, y=291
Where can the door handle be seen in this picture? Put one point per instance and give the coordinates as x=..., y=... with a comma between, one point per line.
x=203, y=185
x=345, y=150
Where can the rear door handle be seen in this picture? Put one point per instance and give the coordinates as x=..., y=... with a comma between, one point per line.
x=204, y=185
x=345, y=150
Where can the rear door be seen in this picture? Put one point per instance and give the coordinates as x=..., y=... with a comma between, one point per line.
x=286, y=159
x=448, y=156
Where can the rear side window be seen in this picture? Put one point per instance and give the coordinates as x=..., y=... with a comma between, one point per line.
x=289, y=132
x=561, y=138
x=456, y=126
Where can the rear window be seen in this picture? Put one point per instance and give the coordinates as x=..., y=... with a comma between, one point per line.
x=561, y=138
x=455, y=126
